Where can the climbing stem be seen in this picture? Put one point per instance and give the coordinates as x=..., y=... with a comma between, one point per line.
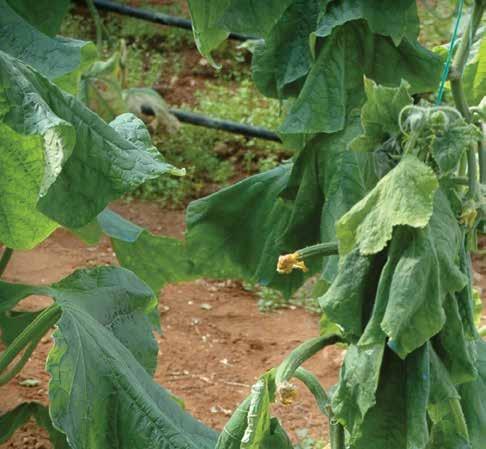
x=7, y=254
x=457, y=87
x=32, y=333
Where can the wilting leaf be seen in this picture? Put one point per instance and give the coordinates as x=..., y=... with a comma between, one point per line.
x=403, y=197
x=422, y=269
x=397, y=20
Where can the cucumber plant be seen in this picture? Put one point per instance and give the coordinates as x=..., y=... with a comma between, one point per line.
x=383, y=200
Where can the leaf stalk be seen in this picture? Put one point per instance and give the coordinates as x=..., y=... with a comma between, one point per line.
x=6, y=256
x=29, y=338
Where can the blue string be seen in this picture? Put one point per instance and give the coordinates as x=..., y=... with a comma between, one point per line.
x=447, y=66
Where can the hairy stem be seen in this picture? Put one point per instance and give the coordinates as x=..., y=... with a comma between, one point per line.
x=7, y=254
x=32, y=333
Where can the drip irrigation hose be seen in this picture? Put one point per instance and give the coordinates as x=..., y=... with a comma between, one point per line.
x=225, y=125
x=156, y=17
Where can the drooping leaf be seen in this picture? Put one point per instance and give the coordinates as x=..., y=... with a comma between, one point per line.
x=236, y=232
x=348, y=177
x=403, y=197
x=68, y=139
x=457, y=352
x=398, y=419
x=358, y=381
x=114, y=296
x=60, y=60
x=285, y=55
x=100, y=395
x=472, y=400
x=334, y=84
x=379, y=115
x=348, y=300
x=45, y=15
x=208, y=33
x=449, y=429
x=13, y=419
x=397, y=20
x=422, y=269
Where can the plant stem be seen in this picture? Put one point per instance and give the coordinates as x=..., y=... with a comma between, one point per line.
x=315, y=387
x=98, y=24
x=4, y=378
x=482, y=159
x=336, y=431
x=32, y=333
x=457, y=87
x=7, y=254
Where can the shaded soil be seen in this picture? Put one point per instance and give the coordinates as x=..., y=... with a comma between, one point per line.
x=209, y=358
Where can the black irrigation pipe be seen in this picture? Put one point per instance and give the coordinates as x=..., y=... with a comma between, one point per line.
x=224, y=125
x=155, y=17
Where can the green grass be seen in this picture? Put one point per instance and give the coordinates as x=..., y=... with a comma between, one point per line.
x=214, y=158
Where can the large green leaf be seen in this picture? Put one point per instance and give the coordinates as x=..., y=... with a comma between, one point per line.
x=449, y=428
x=421, y=270
x=285, y=55
x=58, y=59
x=334, y=84
x=347, y=178
x=456, y=350
x=114, y=296
x=348, y=301
x=397, y=20
x=398, y=420
x=72, y=162
x=45, y=15
x=100, y=396
x=237, y=232
x=13, y=419
x=358, y=381
x=22, y=159
x=403, y=197
x=379, y=115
